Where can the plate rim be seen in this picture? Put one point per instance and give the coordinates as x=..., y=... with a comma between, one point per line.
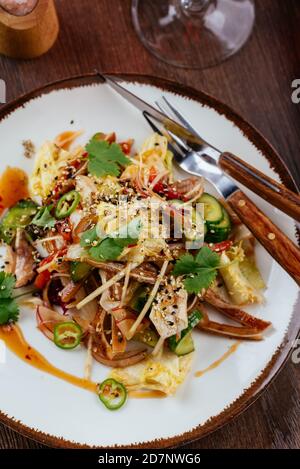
x=282, y=353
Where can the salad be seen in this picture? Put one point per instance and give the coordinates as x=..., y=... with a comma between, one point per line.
x=118, y=256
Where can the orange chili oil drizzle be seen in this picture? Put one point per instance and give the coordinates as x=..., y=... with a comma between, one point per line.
x=16, y=343
x=147, y=394
x=220, y=360
x=13, y=187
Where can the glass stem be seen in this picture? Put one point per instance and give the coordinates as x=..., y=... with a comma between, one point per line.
x=194, y=6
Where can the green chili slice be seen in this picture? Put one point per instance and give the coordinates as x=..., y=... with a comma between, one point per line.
x=67, y=335
x=112, y=394
x=67, y=204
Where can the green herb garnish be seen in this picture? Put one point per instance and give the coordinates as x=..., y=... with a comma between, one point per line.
x=109, y=249
x=88, y=237
x=44, y=218
x=105, y=158
x=9, y=309
x=199, y=271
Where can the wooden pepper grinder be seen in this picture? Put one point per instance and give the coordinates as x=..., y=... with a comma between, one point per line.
x=28, y=28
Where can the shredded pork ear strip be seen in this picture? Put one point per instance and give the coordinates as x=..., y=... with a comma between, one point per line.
x=235, y=313
x=104, y=287
x=152, y=295
x=230, y=331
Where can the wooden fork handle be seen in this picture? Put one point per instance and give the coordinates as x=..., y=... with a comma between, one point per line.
x=281, y=248
x=275, y=193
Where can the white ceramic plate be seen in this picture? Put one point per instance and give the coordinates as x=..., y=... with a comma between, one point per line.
x=59, y=414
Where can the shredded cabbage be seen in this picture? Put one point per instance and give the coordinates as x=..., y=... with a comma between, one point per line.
x=240, y=290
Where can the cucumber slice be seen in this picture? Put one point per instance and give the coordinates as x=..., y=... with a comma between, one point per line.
x=79, y=270
x=219, y=232
x=213, y=210
x=185, y=344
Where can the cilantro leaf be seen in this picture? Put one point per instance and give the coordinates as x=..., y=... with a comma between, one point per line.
x=44, y=218
x=200, y=281
x=200, y=271
x=207, y=258
x=88, y=237
x=105, y=158
x=9, y=309
x=185, y=265
x=109, y=249
x=7, y=284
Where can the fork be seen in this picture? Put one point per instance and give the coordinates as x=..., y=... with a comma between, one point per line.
x=281, y=248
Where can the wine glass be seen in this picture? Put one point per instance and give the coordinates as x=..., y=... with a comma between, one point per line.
x=193, y=33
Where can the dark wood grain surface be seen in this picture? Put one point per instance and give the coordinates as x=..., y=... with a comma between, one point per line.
x=256, y=82
x=279, y=246
x=275, y=193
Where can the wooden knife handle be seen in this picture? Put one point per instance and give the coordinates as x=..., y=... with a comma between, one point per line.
x=275, y=193
x=281, y=248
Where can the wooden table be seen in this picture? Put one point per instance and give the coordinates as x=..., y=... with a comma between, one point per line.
x=256, y=82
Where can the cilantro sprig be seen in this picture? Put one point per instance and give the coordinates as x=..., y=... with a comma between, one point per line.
x=43, y=218
x=199, y=271
x=9, y=309
x=109, y=249
x=105, y=158
x=104, y=249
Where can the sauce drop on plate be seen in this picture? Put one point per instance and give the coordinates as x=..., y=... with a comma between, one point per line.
x=15, y=341
x=147, y=394
x=13, y=187
x=218, y=362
